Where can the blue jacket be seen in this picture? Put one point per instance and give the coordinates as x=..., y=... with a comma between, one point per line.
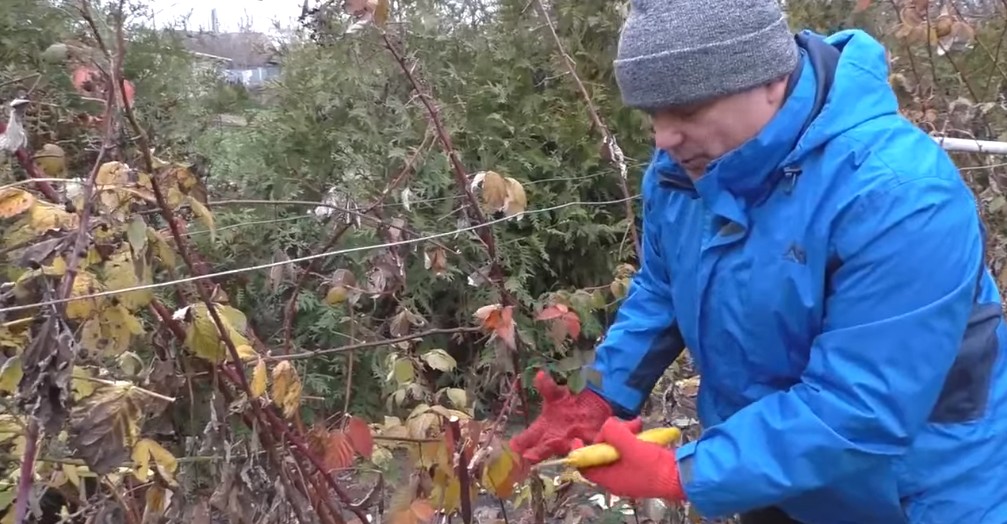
x=828, y=279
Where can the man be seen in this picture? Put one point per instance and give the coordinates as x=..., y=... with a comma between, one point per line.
x=822, y=260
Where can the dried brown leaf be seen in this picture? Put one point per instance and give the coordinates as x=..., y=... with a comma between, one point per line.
x=47, y=368
x=105, y=425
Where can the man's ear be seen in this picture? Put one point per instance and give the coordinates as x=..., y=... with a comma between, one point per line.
x=776, y=90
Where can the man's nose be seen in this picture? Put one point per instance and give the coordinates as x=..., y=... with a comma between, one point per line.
x=667, y=137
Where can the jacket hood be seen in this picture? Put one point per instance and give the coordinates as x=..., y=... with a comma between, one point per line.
x=860, y=90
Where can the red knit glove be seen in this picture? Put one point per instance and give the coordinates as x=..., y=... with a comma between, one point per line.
x=564, y=417
x=644, y=470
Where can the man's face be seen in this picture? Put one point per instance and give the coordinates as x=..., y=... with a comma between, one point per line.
x=697, y=134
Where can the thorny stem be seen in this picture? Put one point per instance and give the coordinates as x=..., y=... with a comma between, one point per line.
x=127, y=509
x=485, y=233
x=270, y=442
x=615, y=154
x=306, y=453
x=27, y=163
x=180, y=244
x=73, y=262
x=462, y=471
x=27, y=468
x=459, y=170
x=291, y=309
x=237, y=372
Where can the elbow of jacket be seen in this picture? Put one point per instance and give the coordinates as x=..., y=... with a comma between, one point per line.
x=871, y=428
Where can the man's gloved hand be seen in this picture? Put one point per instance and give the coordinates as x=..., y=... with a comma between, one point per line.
x=564, y=417
x=644, y=469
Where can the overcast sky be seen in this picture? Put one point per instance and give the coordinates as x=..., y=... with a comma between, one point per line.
x=231, y=14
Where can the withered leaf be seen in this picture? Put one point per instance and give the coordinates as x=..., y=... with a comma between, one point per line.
x=436, y=260
x=42, y=252
x=47, y=367
x=500, y=321
x=105, y=425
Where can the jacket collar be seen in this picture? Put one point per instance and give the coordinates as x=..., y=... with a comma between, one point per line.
x=742, y=177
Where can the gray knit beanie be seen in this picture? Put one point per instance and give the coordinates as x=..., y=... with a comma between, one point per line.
x=682, y=51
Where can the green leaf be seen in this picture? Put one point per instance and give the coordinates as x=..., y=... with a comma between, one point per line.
x=137, y=234
x=403, y=371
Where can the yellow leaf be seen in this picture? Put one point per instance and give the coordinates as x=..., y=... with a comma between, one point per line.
x=81, y=386
x=122, y=271
x=52, y=160
x=336, y=295
x=173, y=196
x=286, y=388
x=403, y=371
x=141, y=459
x=160, y=248
x=10, y=374
x=203, y=214
x=136, y=234
x=203, y=337
x=72, y=474
x=146, y=450
x=85, y=283
x=14, y=201
x=110, y=331
x=497, y=474
x=44, y=216
x=110, y=184
x=12, y=433
x=428, y=454
x=447, y=490
x=112, y=173
x=14, y=340
x=246, y=352
x=494, y=190
x=420, y=425
x=516, y=200
x=233, y=316
x=7, y=497
x=258, y=384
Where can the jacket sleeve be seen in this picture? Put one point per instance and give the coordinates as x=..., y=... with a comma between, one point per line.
x=900, y=300
x=644, y=339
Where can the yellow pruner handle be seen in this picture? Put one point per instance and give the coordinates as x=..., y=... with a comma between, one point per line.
x=602, y=454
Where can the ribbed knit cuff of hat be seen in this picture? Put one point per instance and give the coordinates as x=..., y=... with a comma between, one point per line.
x=675, y=53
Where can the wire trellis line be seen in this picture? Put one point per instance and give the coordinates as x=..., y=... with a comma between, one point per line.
x=306, y=258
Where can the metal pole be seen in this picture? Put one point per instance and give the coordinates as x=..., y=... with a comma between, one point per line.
x=968, y=145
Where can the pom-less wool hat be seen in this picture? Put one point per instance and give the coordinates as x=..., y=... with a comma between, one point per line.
x=674, y=52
